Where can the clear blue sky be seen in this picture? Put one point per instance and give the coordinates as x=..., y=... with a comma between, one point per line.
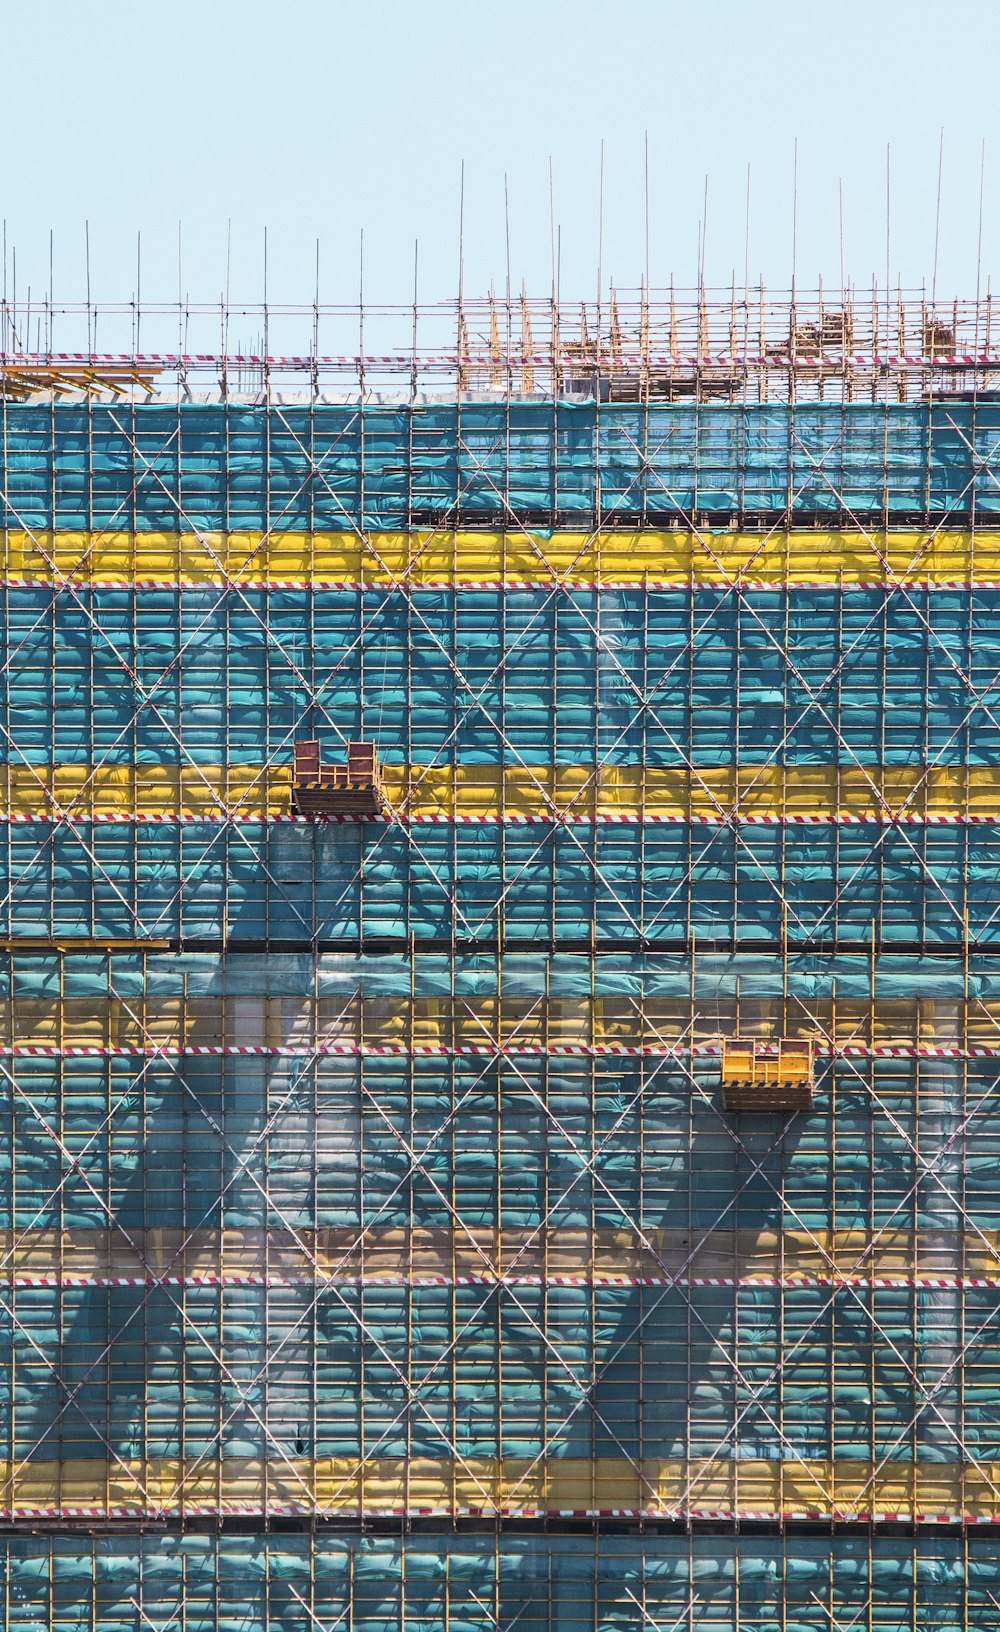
x=316, y=119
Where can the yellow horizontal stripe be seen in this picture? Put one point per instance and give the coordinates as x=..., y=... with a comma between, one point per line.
x=402, y=1254
x=354, y=1020
x=342, y=1484
x=452, y=791
x=609, y=555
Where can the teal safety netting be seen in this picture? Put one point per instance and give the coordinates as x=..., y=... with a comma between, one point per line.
x=543, y=1584
x=165, y=1195
x=304, y=1367
x=93, y=977
x=253, y=883
x=483, y=677
x=383, y=466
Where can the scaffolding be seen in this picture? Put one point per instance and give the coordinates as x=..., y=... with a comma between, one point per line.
x=381, y=1239
x=632, y=346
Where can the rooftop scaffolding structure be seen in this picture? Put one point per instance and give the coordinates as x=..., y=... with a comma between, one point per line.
x=750, y=345
x=376, y=1244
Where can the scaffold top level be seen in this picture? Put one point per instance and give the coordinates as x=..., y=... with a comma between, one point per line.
x=716, y=347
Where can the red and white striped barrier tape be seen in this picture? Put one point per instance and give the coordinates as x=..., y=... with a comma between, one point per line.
x=889, y=583
x=306, y=1051
x=789, y=1282
x=508, y=359
x=173, y=818
x=533, y=1510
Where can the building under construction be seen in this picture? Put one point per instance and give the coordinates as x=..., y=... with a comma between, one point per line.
x=501, y=925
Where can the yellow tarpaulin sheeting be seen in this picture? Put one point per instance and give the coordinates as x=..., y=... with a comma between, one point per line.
x=348, y=1021
x=619, y=556
x=342, y=1485
x=951, y=792
x=401, y=1254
